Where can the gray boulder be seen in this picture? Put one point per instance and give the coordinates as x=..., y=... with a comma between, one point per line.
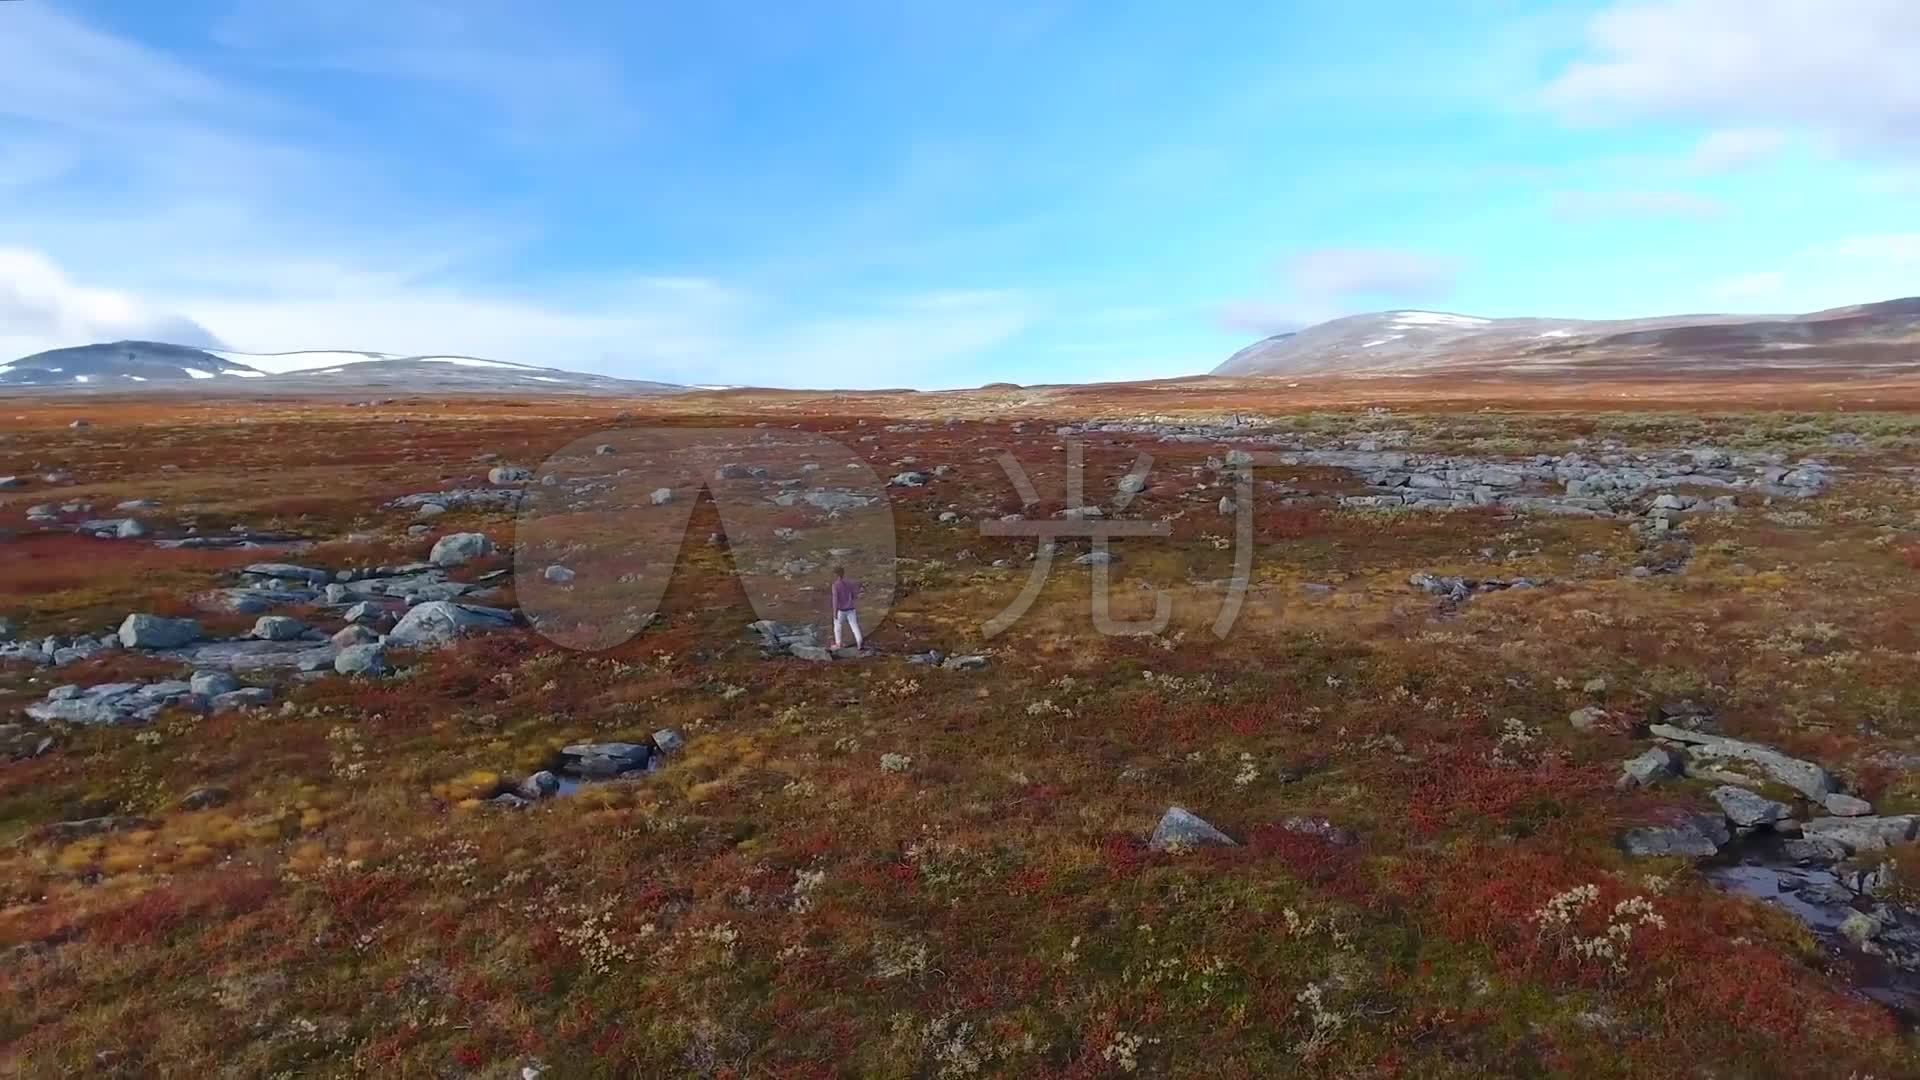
x=508, y=474
x=438, y=622
x=211, y=684
x=369, y=660
x=816, y=653
x=1748, y=810
x=538, y=786
x=458, y=549
x=1840, y=805
x=353, y=634
x=129, y=529
x=661, y=496
x=668, y=741
x=365, y=612
x=1691, y=835
x=278, y=628
x=140, y=631
x=604, y=761
x=1180, y=830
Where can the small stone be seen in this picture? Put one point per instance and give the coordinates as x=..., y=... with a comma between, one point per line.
x=1587, y=718
x=1096, y=558
x=964, y=663
x=1655, y=764
x=816, y=653
x=661, y=496
x=508, y=474
x=559, y=575
x=365, y=612
x=538, y=786
x=130, y=529
x=1320, y=827
x=507, y=800
x=205, y=798
x=1180, y=830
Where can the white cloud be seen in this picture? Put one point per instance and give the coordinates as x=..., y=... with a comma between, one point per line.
x=1736, y=148
x=1331, y=282
x=1841, y=69
x=41, y=308
x=1580, y=205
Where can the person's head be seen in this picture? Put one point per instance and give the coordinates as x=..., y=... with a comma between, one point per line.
x=839, y=571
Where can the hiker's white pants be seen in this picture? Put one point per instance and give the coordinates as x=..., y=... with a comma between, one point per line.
x=853, y=623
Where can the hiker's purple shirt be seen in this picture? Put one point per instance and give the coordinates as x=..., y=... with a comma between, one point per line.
x=844, y=592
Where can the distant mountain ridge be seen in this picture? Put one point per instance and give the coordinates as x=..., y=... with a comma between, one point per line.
x=150, y=366
x=1882, y=336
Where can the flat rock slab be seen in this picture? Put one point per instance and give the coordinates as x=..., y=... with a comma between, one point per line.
x=252, y=601
x=110, y=704
x=1805, y=777
x=1695, y=836
x=1858, y=834
x=254, y=655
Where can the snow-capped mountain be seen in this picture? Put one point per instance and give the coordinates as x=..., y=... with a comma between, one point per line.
x=122, y=365
x=1883, y=336
x=151, y=366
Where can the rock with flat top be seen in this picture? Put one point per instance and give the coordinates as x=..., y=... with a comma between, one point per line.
x=139, y=631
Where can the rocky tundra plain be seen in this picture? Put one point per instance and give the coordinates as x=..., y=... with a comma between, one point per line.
x=507, y=739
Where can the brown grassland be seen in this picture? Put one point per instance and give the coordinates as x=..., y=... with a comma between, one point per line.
x=776, y=903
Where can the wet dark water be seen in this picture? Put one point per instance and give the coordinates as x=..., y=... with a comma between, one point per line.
x=1820, y=898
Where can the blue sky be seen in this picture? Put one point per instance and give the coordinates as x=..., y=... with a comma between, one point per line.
x=934, y=194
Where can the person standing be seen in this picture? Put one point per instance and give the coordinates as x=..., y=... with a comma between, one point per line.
x=845, y=593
